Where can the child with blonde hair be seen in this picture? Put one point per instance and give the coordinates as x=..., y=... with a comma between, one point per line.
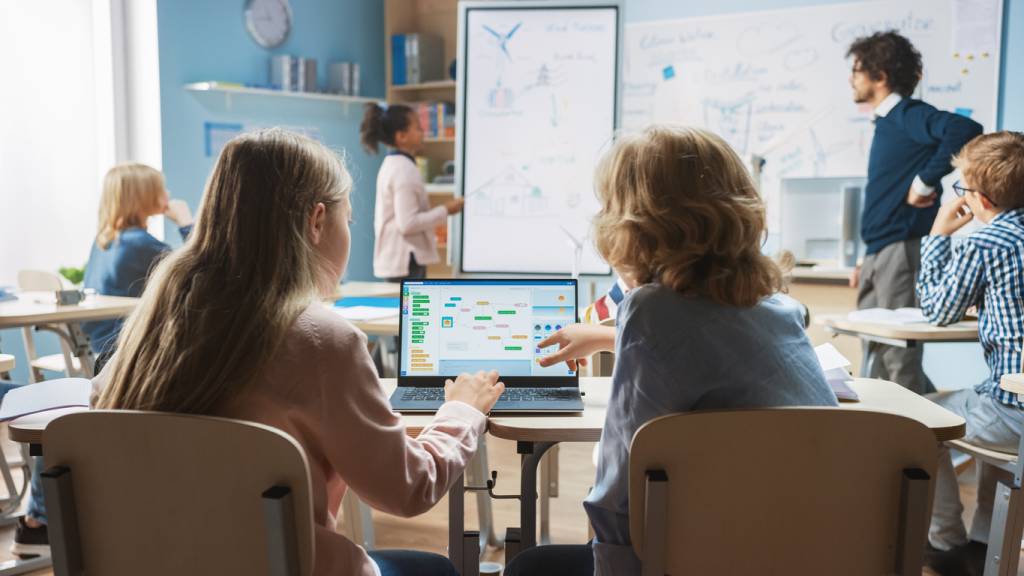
x=983, y=270
x=124, y=253
x=701, y=328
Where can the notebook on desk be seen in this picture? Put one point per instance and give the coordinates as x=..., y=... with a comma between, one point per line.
x=452, y=326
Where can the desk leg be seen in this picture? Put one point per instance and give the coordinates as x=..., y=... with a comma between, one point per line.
x=80, y=348
x=867, y=356
x=463, y=547
x=532, y=453
x=456, y=511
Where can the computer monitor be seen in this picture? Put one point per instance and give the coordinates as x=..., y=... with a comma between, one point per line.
x=452, y=326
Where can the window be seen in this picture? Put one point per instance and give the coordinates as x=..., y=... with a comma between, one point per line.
x=67, y=109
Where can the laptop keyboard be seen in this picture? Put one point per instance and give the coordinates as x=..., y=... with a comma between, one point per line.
x=509, y=395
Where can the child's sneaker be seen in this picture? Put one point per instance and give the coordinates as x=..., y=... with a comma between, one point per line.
x=30, y=542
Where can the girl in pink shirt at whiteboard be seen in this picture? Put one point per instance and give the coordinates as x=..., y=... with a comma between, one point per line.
x=403, y=222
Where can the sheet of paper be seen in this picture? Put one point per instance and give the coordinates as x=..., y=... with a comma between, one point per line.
x=830, y=358
x=365, y=313
x=43, y=396
x=884, y=316
x=975, y=28
x=839, y=379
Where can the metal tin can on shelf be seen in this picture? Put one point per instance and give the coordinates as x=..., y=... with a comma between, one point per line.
x=339, y=78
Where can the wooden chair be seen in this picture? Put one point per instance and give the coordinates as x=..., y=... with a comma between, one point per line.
x=1007, y=528
x=41, y=281
x=168, y=494
x=781, y=491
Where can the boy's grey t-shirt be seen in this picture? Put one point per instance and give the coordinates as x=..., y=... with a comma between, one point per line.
x=677, y=353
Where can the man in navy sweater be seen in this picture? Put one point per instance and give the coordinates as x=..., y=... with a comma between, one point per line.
x=911, y=151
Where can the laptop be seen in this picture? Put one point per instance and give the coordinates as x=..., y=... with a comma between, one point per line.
x=452, y=326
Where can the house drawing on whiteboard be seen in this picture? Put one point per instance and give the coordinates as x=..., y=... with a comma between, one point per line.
x=510, y=193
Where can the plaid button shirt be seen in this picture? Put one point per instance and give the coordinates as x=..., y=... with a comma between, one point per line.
x=985, y=270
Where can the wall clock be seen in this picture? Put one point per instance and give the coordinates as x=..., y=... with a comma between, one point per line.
x=268, y=21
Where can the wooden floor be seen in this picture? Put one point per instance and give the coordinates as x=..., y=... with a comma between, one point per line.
x=430, y=531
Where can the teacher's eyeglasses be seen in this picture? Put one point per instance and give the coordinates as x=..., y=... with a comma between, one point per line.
x=960, y=191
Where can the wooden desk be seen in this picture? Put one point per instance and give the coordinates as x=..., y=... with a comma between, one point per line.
x=40, y=309
x=383, y=327
x=367, y=290
x=1012, y=383
x=536, y=434
x=34, y=308
x=6, y=363
x=820, y=275
x=900, y=335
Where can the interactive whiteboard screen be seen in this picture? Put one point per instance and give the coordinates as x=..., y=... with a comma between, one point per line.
x=538, y=101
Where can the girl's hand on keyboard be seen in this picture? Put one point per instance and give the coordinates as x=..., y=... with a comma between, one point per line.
x=480, y=390
x=576, y=343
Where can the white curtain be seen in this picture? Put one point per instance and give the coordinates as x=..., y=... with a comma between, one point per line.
x=56, y=130
x=70, y=108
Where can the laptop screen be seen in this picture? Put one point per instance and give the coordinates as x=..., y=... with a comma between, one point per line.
x=454, y=326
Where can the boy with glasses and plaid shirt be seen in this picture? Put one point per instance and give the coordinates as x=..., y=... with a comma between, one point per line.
x=985, y=270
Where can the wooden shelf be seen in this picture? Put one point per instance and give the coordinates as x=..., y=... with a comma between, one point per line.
x=438, y=18
x=231, y=90
x=434, y=85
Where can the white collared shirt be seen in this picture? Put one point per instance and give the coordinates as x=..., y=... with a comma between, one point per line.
x=881, y=111
x=886, y=105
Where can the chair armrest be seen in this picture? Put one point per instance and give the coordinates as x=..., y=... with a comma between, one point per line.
x=1012, y=383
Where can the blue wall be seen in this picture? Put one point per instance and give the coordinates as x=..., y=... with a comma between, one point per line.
x=202, y=40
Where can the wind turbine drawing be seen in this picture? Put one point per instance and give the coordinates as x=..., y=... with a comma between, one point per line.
x=503, y=38
x=576, y=244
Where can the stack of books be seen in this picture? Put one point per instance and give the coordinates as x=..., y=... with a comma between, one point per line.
x=437, y=119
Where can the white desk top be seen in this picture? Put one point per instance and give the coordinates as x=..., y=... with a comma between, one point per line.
x=384, y=327
x=6, y=362
x=33, y=308
x=368, y=290
x=920, y=332
x=1012, y=383
x=823, y=274
x=875, y=395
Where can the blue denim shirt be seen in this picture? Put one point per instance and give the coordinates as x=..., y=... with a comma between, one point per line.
x=121, y=269
x=677, y=353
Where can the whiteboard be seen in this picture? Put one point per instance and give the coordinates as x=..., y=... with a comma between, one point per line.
x=776, y=83
x=538, y=105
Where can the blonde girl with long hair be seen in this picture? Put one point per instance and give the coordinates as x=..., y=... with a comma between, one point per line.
x=124, y=253
x=232, y=325
x=701, y=328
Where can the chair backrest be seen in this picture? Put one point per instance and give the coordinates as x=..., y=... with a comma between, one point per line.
x=39, y=281
x=781, y=491
x=171, y=494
